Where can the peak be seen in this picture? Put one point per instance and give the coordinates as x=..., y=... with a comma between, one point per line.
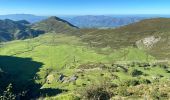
x=56, y=18
x=61, y=20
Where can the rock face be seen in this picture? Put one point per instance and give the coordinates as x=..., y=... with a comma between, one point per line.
x=148, y=42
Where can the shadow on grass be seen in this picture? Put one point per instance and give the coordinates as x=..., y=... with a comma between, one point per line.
x=21, y=72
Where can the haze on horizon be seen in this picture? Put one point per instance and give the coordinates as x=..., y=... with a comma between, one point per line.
x=84, y=7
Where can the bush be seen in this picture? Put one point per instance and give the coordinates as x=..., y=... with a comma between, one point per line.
x=144, y=81
x=157, y=95
x=122, y=91
x=97, y=92
x=134, y=82
x=135, y=72
x=131, y=82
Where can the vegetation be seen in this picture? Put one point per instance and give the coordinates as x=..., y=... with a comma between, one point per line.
x=96, y=66
x=8, y=94
x=13, y=30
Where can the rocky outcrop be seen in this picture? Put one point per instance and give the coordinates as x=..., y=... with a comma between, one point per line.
x=148, y=42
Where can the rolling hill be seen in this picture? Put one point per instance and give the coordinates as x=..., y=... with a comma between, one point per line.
x=150, y=32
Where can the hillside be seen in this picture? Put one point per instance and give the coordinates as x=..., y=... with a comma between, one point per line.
x=109, y=63
x=147, y=26
x=54, y=54
x=22, y=29
x=13, y=30
x=157, y=30
x=55, y=24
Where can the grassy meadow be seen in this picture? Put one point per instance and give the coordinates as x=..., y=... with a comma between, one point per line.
x=70, y=56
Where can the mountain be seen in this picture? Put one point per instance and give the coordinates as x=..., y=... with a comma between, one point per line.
x=12, y=30
x=114, y=62
x=90, y=21
x=29, y=17
x=87, y=21
x=151, y=35
x=55, y=24
x=22, y=29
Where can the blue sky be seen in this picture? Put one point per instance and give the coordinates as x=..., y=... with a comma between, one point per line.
x=84, y=7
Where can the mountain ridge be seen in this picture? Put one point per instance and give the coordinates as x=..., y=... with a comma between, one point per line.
x=55, y=24
x=29, y=17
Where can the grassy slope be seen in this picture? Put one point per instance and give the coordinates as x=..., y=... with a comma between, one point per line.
x=63, y=54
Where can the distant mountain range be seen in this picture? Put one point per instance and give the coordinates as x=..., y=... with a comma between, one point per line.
x=30, y=18
x=88, y=21
x=102, y=21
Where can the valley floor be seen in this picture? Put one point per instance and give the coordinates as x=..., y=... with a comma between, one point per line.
x=68, y=69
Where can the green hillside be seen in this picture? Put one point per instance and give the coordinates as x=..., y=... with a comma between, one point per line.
x=96, y=64
x=55, y=24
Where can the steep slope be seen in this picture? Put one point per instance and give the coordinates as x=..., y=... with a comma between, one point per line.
x=55, y=24
x=12, y=30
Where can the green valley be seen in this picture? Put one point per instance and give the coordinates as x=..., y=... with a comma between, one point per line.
x=68, y=63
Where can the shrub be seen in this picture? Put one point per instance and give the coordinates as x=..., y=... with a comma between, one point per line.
x=134, y=82
x=135, y=72
x=157, y=95
x=144, y=81
x=130, y=82
x=122, y=91
x=97, y=92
